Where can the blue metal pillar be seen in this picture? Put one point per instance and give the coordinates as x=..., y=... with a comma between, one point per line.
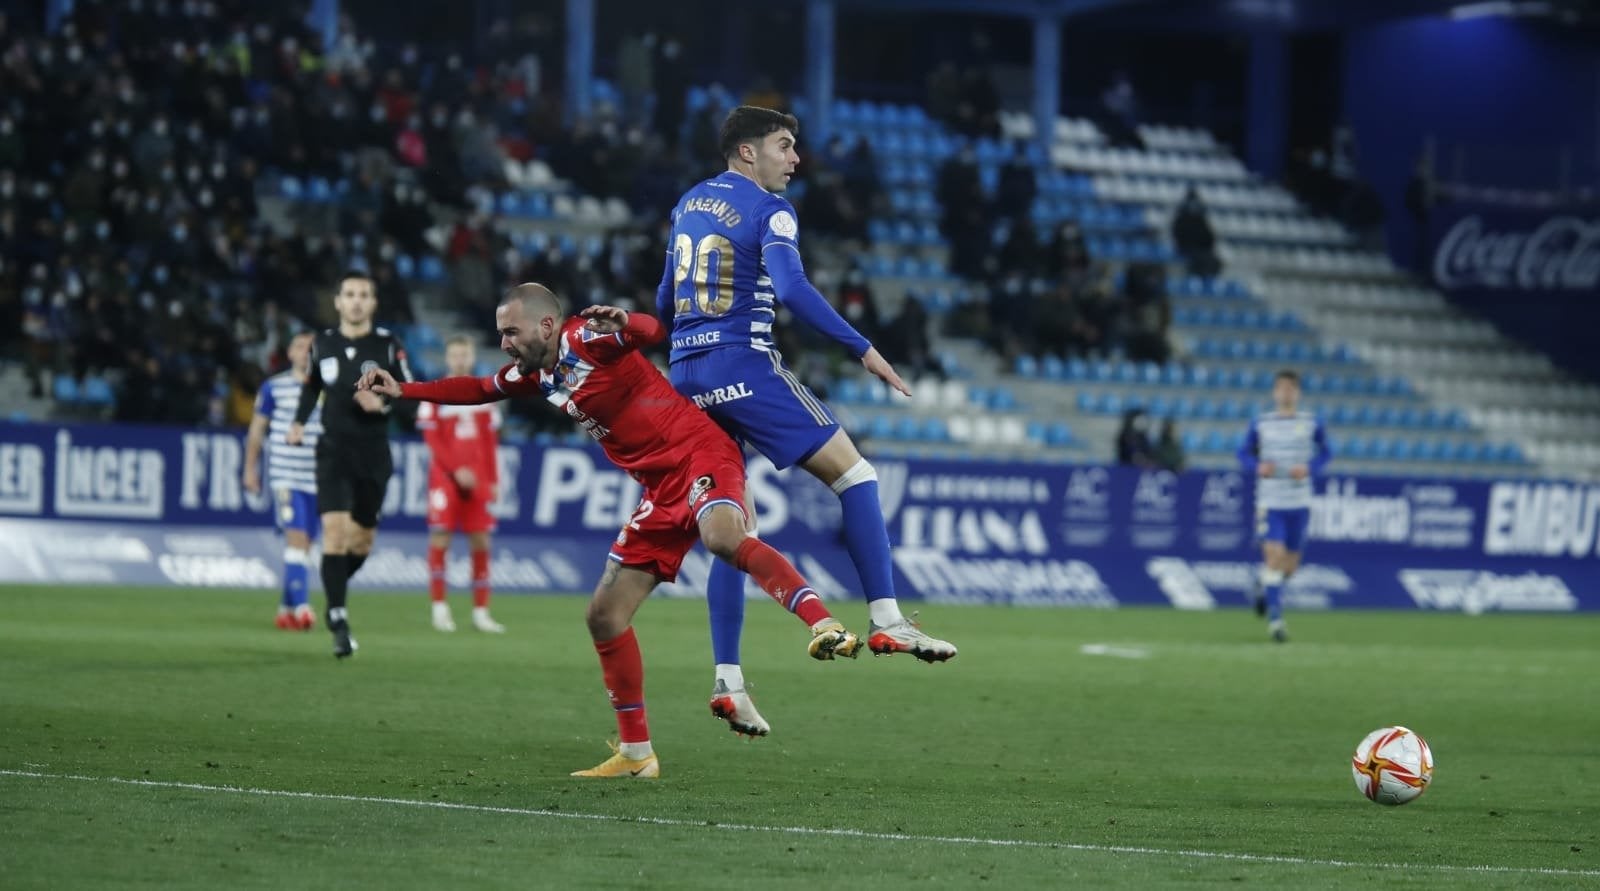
x=56, y=13
x=819, y=72
x=580, y=58
x=1267, y=141
x=1046, y=78
x=323, y=18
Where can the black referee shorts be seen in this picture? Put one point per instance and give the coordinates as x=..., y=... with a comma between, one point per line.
x=353, y=477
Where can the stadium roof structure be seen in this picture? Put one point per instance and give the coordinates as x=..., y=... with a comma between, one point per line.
x=1246, y=15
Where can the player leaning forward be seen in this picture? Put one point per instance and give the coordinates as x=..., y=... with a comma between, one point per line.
x=733, y=259
x=692, y=474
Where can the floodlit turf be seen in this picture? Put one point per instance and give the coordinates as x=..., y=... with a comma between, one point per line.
x=1182, y=748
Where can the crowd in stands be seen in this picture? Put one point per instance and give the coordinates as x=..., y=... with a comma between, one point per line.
x=134, y=144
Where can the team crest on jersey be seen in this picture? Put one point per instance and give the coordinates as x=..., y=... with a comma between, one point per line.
x=349, y=352
x=700, y=489
x=783, y=224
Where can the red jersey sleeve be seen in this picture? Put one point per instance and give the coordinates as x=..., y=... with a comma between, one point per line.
x=642, y=330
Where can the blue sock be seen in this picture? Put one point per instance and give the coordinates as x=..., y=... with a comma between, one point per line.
x=295, y=577
x=867, y=539
x=725, y=603
x=1274, y=594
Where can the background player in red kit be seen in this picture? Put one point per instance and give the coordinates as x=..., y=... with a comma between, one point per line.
x=461, y=485
x=692, y=473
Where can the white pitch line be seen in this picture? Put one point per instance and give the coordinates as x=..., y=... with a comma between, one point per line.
x=1118, y=652
x=812, y=830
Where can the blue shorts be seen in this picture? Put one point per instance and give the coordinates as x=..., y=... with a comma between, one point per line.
x=758, y=400
x=1286, y=527
x=297, y=511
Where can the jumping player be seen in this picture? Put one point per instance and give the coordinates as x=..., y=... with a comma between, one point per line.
x=732, y=261
x=291, y=478
x=1285, y=449
x=462, y=477
x=692, y=474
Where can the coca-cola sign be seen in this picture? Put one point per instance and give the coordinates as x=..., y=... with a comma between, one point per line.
x=1560, y=253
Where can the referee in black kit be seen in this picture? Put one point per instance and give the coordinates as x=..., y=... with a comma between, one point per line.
x=353, y=460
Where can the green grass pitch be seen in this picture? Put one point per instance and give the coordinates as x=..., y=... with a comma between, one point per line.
x=174, y=739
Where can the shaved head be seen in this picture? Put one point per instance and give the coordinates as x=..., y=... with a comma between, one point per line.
x=529, y=321
x=537, y=300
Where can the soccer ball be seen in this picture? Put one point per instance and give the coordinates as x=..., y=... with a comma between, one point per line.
x=1392, y=765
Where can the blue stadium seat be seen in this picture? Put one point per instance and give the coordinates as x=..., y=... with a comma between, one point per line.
x=1026, y=366
x=1111, y=404
x=908, y=429
x=1402, y=450
x=96, y=391
x=1077, y=369
x=1086, y=402
x=880, y=428
x=1434, y=450
x=404, y=266
x=1002, y=399
x=1182, y=408
x=1509, y=453
x=879, y=231
x=1192, y=442
x=936, y=430
x=290, y=188
x=1217, y=442
x=1159, y=406
x=64, y=388
x=319, y=190
x=1058, y=435
x=847, y=391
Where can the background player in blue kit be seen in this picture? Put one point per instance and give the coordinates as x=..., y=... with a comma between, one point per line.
x=1286, y=449
x=732, y=261
x=291, y=478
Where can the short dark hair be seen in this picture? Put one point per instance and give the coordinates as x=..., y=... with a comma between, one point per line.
x=355, y=273
x=752, y=123
x=1287, y=374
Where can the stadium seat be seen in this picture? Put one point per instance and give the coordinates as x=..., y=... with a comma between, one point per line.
x=65, y=389
x=96, y=391
x=1058, y=435
x=1026, y=366
x=847, y=391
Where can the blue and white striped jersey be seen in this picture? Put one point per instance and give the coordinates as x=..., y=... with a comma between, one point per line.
x=288, y=467
x=1285, y=441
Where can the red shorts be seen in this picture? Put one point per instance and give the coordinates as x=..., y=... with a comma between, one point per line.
x=449, y=510
x=666, y=523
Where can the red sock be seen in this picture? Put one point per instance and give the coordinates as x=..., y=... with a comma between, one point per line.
x=623, y=669
x=778, y=577
x=436, y=573
x=480, y=578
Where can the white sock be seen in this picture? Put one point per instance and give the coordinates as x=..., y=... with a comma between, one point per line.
x=338, y=614
x=885, y=611
x=636, y=751
x=441, y=606
x=732, y=675
x=480, y=612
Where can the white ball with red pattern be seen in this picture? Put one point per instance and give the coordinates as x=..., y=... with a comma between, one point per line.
x=1392, y=765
